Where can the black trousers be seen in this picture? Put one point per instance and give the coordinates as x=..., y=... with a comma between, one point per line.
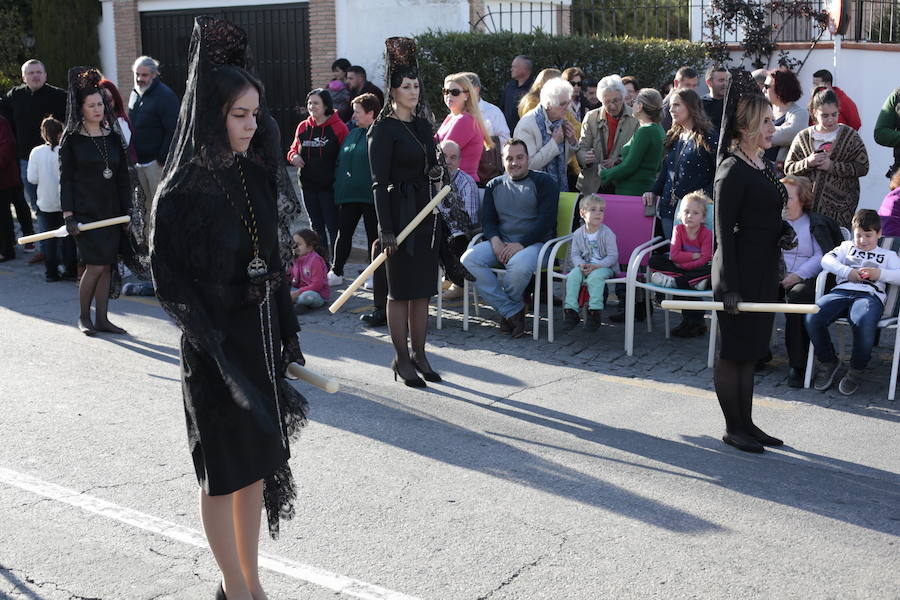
x=795, y=338
x=7, y=233
x=349, y=214
x=58, y=248
x=23, y=211
x=662, y=262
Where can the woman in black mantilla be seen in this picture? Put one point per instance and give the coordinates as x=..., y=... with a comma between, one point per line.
x=94, y=184
x=403, y=159
x=218, y=270
x=748, y=206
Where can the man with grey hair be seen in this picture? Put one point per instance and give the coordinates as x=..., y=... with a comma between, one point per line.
x=25, y=106
x=522, y=76
x=604, y=132
x=153, y=110
x=548, y=134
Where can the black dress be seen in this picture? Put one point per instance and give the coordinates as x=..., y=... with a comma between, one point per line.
x=748, y=209
x=400, y=155
x=92, y=197
x=240, y=412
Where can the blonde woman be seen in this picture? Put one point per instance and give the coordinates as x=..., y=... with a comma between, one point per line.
x=530, y=100
x=749, y=202
x=464, y=125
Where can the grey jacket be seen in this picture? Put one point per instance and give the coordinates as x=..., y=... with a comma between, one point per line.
x=580, y=251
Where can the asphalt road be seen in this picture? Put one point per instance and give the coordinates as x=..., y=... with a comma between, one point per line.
x=527, y=475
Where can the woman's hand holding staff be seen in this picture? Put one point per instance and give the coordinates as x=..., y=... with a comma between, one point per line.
x=359, y=281
x=63, y=231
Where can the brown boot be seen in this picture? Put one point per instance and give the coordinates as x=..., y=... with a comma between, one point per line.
x=518, y=324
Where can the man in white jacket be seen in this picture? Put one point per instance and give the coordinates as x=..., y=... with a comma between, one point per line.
x=863, y=271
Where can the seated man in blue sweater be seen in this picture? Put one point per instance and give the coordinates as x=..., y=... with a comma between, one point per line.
x=518, y=215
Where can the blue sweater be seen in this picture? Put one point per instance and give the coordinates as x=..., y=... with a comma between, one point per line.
x=153, y=117
x=522, y=211
x=696, y=171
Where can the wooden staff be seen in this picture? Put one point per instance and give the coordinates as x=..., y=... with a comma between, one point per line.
x=311, y=377
x=63, y=232
x=774, y=307
x=359, y=281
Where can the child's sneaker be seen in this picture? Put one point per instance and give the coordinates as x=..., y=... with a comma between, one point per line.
x=570, y=319
x=662, y=280
x=825, y=374
x=593, y=320
x=850, y=382
x=29, y=248
x=334, y=279
x=701, y=285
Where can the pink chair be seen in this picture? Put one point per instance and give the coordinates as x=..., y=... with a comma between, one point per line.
x=634, y=231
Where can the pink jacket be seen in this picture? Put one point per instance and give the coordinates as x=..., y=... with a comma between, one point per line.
x=684, y=257
x=309, y=272
x=464, y=130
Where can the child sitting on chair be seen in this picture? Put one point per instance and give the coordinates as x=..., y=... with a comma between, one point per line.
x=593, y=254
x=863, y=270
x=687, y=265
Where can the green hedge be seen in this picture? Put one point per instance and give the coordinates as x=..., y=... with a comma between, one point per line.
x=652, y=61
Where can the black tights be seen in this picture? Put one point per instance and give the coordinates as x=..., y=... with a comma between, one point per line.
x=95, y=286
x=734, y=388
x=408, y=319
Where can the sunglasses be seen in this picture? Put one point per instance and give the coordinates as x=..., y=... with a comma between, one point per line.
x=574, y=83
x=454, y=92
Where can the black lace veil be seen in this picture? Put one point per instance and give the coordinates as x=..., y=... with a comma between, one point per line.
x=740, y=84
x=216, y=43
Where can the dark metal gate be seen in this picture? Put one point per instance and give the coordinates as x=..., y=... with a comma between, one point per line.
x=279, y=45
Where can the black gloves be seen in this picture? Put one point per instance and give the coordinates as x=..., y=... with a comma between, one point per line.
x=730, y=301
x=72, y=226
x=388, y=242
x=290, y=352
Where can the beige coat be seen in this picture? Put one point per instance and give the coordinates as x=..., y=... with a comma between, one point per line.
x=594, y=132
x=539, y=153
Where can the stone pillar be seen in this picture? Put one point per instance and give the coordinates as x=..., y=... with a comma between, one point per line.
x=322, y=41
x=476, y=11
x=127, y=23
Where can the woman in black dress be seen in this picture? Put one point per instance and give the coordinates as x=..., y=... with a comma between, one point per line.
x=402, y=155
x=218, y=270
x=94, y=184
x=748, y=205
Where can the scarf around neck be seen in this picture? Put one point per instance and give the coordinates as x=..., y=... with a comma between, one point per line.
x=556, y=168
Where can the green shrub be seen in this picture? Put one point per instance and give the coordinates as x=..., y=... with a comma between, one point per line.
x=652, y=61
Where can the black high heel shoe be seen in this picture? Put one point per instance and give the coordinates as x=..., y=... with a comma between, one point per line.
x=415, y=382
x=431, y=376
x=220, y=593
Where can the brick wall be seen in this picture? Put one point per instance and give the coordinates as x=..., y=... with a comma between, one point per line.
x=128, y=41
x=322, y=40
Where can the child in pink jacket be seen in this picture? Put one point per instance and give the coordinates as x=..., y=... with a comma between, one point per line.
x=309, y=273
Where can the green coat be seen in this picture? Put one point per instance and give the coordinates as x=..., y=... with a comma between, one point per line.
x=353, y=175
x=641, y=160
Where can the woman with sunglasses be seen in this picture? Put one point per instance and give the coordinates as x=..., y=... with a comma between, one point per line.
x=464, y=125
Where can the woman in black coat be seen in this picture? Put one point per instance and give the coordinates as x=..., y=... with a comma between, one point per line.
x=749, y=201
x=218, y=270
x=402, y=155
x=94, y=184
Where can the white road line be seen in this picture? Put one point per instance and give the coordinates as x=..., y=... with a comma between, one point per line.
x=315, y=575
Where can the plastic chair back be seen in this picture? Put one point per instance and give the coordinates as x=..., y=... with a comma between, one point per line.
x=564, y=213
x=710, y=217
x=625, y=216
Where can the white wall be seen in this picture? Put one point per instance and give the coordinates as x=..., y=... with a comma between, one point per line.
x=108, y=44
x=868, y=77
x=363, y=25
